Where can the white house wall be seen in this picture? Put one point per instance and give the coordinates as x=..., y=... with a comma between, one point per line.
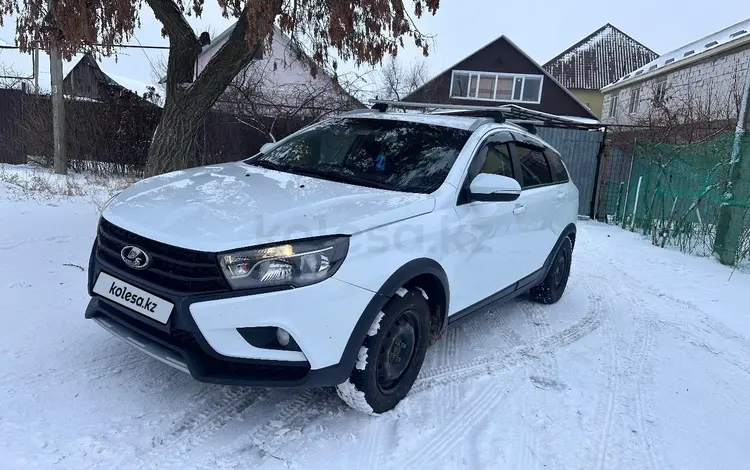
x=718, y=78
x=290, y=73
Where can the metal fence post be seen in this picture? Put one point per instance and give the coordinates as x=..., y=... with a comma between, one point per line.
x=597, y=181
x=627, y=190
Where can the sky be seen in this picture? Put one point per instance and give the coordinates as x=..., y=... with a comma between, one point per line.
x=542, y=29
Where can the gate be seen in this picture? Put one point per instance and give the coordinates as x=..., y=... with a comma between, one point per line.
x=580, y=150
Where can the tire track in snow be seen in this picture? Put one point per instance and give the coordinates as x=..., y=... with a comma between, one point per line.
x=93, y=368
x=609, y=402
x=506, y=359
x=644, y=366
x=442, y=441
x=543, y=374
x=481, y=432
x=637, y=364
x=290, y=415
x=450, y=354
x=222, y=408
x=502, y=328
x=375, y=446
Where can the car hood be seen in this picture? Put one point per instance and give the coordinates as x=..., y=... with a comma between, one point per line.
x=235, y=205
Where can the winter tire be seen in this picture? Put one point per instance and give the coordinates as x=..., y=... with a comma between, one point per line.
x=553, y=286
x=391, y=356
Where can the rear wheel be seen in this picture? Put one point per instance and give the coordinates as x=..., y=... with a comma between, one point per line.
x=391, y=356
x=553, y=286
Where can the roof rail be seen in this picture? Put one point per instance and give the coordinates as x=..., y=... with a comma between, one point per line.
x=496, y=111
x=528, y=119
x=357, y=111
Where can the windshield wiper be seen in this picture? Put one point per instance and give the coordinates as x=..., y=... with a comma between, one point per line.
x=340, y=178
x=270, y=165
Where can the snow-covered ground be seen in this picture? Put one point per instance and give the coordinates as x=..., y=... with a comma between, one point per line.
x=644, y=363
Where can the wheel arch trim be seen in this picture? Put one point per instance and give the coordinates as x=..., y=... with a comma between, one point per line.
x=398, y=279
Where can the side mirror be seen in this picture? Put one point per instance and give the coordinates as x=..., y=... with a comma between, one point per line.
x=494, y=188
x=267, y=146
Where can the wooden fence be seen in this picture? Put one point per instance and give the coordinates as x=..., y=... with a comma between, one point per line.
x=114, y=136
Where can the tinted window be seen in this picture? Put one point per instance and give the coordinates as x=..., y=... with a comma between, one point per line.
x=497, y=161
x=533, y=166
x=397, y=155
x=556, y=166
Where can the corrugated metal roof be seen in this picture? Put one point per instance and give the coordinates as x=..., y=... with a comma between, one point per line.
x=704, y=46
x=599, y=59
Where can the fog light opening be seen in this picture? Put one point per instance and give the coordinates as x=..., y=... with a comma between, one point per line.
x=282, y=336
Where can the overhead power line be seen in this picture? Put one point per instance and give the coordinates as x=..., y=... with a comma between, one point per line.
x=123, y=46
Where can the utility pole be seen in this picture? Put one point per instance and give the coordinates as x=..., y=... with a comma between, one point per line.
x=36, y=70
x=736, y=204
x=58, y=103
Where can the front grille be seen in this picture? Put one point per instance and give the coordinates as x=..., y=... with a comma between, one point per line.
x=175, y=269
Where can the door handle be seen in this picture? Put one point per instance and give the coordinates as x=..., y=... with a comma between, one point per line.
x=561, y=195
x=519, y=209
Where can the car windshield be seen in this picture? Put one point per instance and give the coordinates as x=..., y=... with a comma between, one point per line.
x=387, y=154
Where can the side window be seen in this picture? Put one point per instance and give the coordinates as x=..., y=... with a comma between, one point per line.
x=533, y=166
x=494, y=158
x=497, y=161
x=559, y=174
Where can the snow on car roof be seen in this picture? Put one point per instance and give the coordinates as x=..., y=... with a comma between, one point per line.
x=457, y=122
x=702, y=46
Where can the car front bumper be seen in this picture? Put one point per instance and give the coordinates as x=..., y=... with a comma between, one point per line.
x=203, y=335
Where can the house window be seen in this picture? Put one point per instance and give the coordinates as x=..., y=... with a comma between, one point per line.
x=660, y=89
x=635, y=99
x=504, y=90
x=496, y=86
x=486, y=87
x=460, y=84
x=613, y=106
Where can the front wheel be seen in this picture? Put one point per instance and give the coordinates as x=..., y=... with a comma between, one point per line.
x=392, y=355
x=553, y=286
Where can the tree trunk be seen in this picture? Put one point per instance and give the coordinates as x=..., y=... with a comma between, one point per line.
x=174, y=143
x=189, y=98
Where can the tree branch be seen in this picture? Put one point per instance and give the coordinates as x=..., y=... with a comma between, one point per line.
x=184, y=47
x=225, y=65
x=179, y=31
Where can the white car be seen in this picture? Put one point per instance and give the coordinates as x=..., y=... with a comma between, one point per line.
x=336, y=256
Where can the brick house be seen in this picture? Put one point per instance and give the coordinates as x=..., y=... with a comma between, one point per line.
x=700, y=81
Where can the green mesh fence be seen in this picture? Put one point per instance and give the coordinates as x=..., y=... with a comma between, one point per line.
x=676, y=193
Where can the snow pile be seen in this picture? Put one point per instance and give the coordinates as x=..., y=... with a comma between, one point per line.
x=375, y=327
x=361, y=359
x=348, y=392
x=19, y=182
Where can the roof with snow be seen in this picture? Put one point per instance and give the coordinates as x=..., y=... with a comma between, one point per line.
x=727, y=38
x=599, y=59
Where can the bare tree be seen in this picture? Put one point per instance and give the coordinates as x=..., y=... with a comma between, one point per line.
x=680, y=114
x=396, y=80
x=681, y=138
x=12, y=78
x=257, y=99
x=362, y=32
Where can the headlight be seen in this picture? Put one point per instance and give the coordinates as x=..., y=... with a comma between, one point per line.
x=293, y=264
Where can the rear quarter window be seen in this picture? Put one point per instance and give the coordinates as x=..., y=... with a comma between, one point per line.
x=556, y=166
x=534, y=166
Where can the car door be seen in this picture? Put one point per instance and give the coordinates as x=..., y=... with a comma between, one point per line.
x=537, y=201
x=491, y=242
x=566, y=194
